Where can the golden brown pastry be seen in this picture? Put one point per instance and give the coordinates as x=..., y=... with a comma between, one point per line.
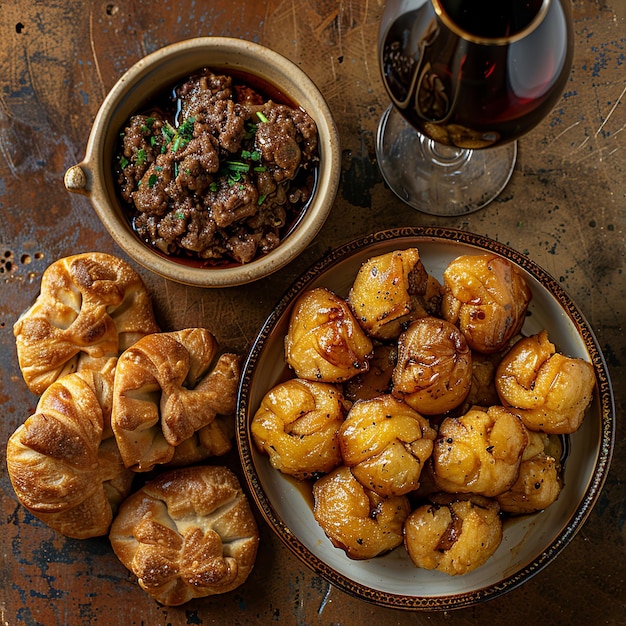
x=549, y=391
x=91, y=307
x=324, y=342
x=479, y=452
x=355, y=519
x=453, y=534
x=61, y=469
x=392, y=289
x=486, y=296
x=434, y=369
x=297, y=426
x=539, y=482
x=386, y=444
x=168, y=386
x=188, y=533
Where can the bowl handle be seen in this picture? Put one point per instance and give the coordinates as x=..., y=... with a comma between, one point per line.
x=78, y=179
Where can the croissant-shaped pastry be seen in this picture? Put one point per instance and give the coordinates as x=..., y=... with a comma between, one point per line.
x=479, y=452
x=168, y=386
x=355, y=519
x=392, y=289
x=324, y=342
x=386, y=444
x=91, y=305
x=549, y=391
x=297, y=426
x=61, y=469
x=188, y=533
x=434, y=369
x=486, y=296
x=453, y=534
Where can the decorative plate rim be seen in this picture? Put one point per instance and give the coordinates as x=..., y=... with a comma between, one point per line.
x=591, y=494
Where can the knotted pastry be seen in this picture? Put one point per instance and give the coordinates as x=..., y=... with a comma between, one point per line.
x=391, y=290
x=386, y=444
x=91, y=307
x=188, y=533
x=434, y=369
x=549, y=391
x=297, y=426
x=479, y=452
x=356, y=519
x=486, y=296
x=453, y=534
x=169, y=386
x=539, y=482
x=61, y=469
x=324, y=342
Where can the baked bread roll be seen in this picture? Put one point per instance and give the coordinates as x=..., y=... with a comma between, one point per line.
x=550, y=392
x=324, y=341
x=479, y=452
x=386, y=444
x=297, y=427
x=169, y=386
x=356, y=519
x=454, y=534
x=188, y=533
x=390, y=291
x=61, y=469
x=433, y=374
x=486, y=296
x=91, y=307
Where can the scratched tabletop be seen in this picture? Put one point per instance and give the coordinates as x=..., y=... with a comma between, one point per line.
x=565, y=207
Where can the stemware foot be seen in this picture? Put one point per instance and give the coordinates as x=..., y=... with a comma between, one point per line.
x=437, y=179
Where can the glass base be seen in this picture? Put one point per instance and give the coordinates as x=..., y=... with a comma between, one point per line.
x=437, y=179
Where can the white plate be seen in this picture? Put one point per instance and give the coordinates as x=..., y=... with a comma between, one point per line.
x=529, y=542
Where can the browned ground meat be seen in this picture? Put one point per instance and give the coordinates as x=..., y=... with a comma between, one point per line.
x=223, y=180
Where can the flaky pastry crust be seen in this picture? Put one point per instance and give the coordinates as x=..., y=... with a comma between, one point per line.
x=188, y=533
x=91, y=307
x=168, y=387
x=61, y=468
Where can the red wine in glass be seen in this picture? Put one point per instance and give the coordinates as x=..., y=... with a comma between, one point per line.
x=470, y=75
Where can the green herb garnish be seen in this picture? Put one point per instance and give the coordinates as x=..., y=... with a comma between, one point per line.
x=152, y=180
x=261, y=117
x=141, y=157
x=237, y=166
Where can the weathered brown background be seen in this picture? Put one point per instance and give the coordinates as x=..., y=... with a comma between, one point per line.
x=565, y=207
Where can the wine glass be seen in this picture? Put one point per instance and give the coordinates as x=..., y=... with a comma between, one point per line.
x=466, y=78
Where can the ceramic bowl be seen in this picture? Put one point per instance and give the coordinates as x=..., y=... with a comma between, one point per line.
x=152, y=74
x=530, y=542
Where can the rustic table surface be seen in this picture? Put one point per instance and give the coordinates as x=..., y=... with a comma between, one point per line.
x=565, y=207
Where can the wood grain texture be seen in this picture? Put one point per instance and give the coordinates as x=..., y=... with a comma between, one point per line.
x=565, y=207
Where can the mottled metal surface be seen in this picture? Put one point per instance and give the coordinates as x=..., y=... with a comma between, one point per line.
x=565, y=207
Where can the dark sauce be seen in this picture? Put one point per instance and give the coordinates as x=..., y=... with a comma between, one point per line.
x=168, y=104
